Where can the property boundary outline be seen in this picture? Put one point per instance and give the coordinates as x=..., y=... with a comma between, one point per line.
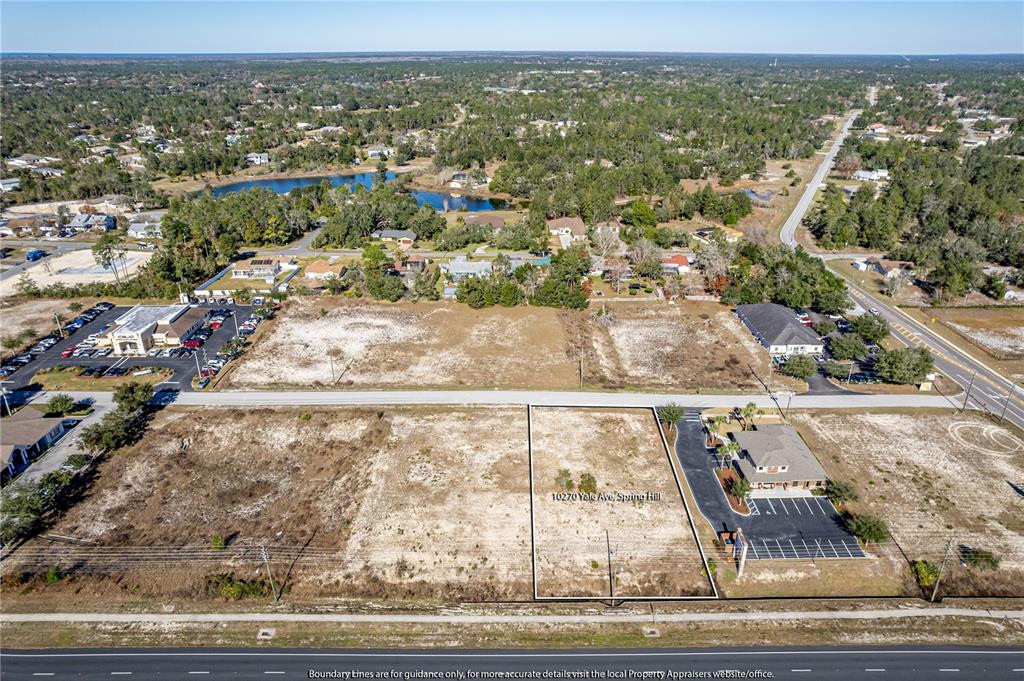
x=533, y=522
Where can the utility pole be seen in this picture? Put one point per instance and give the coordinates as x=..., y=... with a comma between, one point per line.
x=942, y=569
x=771, y=370
x=1006, y=402
x=789, y=401
x=266, y=561
x=3, y=394
x=741, y=540
x=60, y=327
x=611, y=577
x=967, y=396
x=333, y=378
x=849, y=377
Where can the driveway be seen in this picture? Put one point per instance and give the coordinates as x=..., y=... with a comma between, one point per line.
x=775, y=528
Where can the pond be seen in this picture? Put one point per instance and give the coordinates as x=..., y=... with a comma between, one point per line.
x=441, y=201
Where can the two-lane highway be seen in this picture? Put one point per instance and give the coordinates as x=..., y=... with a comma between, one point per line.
x=899, y=664
x=991, y=391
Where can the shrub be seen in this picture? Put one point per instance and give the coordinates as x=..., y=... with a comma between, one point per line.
x=868, y=528
x=61, y=403
x=925, y=573
x=840, y=492
x=588, y=484
x=78, y=461
x=907, y=365
x=670, y=413
x=217, y=542
x=230, y=587
x=799, y=366
x=739, y=488
x=564, y=480
x=981, y=559
x=55, y=575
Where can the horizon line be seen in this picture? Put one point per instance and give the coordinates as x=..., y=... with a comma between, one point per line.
x=316, y=53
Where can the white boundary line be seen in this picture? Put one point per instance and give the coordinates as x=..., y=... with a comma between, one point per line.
x=589, y=597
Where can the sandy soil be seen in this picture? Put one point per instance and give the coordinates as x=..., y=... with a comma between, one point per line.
x=654, y=552
x=405, y=502
x=930, y=476
x=408, y=345
x=690, y=346
x=34, y=314
x=75, y=267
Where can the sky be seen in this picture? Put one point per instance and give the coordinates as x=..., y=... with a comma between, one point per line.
x=724, y=26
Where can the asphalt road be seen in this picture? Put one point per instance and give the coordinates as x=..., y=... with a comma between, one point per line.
x=810, y=191
x=992, y=391
x=536, y=398
x=904, y=664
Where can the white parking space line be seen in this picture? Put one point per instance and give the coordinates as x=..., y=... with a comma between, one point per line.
x=847, y=549
x=783, y=502
x=795, y=552
x=797, y=507
x=808, y=504
x=120, y=673
x=799, y=670
x=42, y=674
x=780, y=548
x=823, y=509
x=772, y=506
x=949, y=670
x=767, y=550
x=273, y=672
x=875, y=669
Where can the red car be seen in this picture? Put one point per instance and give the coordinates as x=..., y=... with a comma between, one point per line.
x=66, y=352
x=192, y=343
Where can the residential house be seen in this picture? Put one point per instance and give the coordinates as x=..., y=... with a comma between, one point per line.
x=775, y=456
x=379, y=151
x=460, y=268
x=889, y=268
x=83, y=222
x=136, y=331
x=872, y=175
x=322, y=270
x=25, y=435
x=47, y=172
x=777, y=328
x=403, y=237
x=255, y=159
x=411, y=264
x=574, y=228
x=9, y=184
x=675, y=264
x=762, y=199
x=496, y=222
x=145, y=229
x=101, y=150
x=260, y=268
x=30, y=160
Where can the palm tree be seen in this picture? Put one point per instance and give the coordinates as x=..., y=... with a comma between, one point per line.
x=749, y=413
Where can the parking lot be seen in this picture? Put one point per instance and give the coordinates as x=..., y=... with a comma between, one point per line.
x=777, y=527
x=185, y=363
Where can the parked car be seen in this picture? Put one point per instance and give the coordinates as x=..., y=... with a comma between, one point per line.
x=104, y=306
x=193, y=343
x=67, y=352
x=115, y=371
x=203, y=382
x=103, y=352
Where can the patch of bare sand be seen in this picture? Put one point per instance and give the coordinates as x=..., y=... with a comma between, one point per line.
x=417, y=345
x=654, y=552
x=929, y=476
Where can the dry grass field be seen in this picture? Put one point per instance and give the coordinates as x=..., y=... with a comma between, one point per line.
x=931, y=476
x=690, y=346
x=408, y=345
x=408, y=502
x=995, y=335
x=36, y=315
x=637, y=514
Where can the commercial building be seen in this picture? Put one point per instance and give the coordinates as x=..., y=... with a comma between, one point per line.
x=141, y=328
x=25, y=435
x=776, y=456
x=777, y=328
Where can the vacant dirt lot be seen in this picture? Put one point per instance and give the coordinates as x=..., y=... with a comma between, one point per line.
x=653, y=550
x=75, y=267
x=930, y=476
x=408, y=345
x=402, y=503
x=36, y=315
x=689, y=346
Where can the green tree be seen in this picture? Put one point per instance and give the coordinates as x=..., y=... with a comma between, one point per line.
x=739, y=487
x=111, y=433
x=904, y=366
x=799, y=366
x=868, y=528
x=981, y=559
x=925, y=573
x=870, y=327
x=840, y=492
x=133, y=395
x=61, y=403
x=670, y=413
x=749, y=414
x=847, y=346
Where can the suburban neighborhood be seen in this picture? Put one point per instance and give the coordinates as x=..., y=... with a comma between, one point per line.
x=564, y=337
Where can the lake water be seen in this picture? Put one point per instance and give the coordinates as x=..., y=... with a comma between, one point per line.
x=440, y=201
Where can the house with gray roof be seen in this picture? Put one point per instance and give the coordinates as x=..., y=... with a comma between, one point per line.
x=776, y=456
x=460, y=268
x=777, y=328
